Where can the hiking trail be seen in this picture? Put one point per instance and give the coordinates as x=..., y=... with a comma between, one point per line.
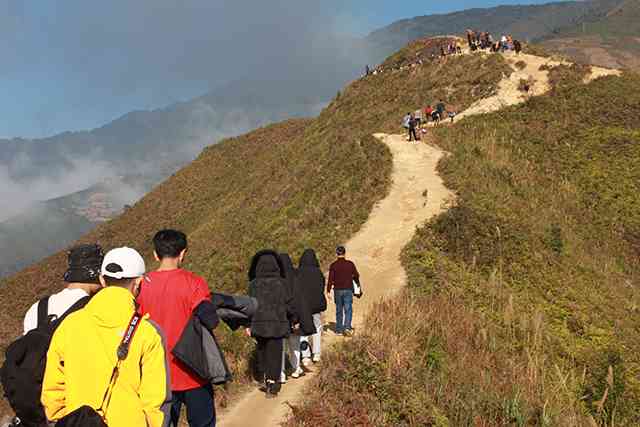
x=525, y=67
x=417, y=193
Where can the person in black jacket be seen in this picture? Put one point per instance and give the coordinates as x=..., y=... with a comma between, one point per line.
x=272, y=321
x=312, y=282
x=303, y=312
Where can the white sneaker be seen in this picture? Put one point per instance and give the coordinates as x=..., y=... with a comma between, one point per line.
x=316, y=358
x=283, y=378
x=306, y=362
x=297, y=373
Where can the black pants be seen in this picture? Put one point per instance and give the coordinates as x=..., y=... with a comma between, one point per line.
x=270, y=357
x=412, y=134
x=201, y=410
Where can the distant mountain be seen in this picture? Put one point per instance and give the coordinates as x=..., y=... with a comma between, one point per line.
x=609, y=36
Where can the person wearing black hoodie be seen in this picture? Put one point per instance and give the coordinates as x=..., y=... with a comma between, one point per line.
x=303, y=312
x=272, y=321
x=312, y=282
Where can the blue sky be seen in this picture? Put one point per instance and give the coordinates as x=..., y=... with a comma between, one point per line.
x=77, y=64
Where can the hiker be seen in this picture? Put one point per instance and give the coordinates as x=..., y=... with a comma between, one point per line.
x=303, y=314
x=418, y=117
x=275, y=317
x=23, y=368
x=435, y=117
x=312, y=282
x=452, y=115
x=82, y=278
x=342, y=275
x=406, y=122
x=413, y=136
x=517, y=46
x=171, y=295
x=441, y=108
x=427, y=113
x=107, y=361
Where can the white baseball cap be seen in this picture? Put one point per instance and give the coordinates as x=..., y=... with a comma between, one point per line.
x=123, y=263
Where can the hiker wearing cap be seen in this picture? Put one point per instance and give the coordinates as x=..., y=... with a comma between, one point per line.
x=172, y=296
x=82, y=278
x=104, y=360
x=342, y=274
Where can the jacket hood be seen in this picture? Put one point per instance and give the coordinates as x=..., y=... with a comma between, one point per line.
x=111, y=307
x=289, y=270
x=309, y=259
x=266, y=263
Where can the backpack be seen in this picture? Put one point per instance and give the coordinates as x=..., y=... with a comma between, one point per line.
x=25, y=360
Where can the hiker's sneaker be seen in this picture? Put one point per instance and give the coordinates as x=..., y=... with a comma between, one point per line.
x=316, y=358
x=283, y=378
x=297, y=373
x=307, y=363
x=348, y=333
x=272, y=389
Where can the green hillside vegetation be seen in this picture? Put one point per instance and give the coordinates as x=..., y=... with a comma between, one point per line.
x=523, y=306
x=297, y=184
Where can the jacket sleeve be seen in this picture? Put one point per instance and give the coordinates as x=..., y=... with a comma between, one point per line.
x=155, y=389
x=356, y=275
x=53, y=384
x=292, y=312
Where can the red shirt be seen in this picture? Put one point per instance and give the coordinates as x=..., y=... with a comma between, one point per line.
x=169, y=297
x=342, y=273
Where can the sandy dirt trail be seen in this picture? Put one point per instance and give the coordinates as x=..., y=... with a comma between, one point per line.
x=417, y=193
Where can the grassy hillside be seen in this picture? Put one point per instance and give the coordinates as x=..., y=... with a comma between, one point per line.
x=523, y=303
x=292, y=185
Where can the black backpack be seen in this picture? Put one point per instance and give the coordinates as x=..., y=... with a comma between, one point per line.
x=25, y=361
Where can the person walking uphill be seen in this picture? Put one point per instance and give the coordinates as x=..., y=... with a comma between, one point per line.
x=312, y=282
x=303, y=313
x=342, y=274
x=272, y=321
x=87, y=371
x=171, y=296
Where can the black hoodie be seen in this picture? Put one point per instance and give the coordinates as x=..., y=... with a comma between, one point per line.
x=312, y=282
x=300, y=303
x=275, y=306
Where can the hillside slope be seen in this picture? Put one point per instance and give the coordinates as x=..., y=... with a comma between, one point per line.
x=291, y=185
x=522, y=306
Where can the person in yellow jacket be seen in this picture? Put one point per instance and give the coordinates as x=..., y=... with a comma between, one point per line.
x=82, y=354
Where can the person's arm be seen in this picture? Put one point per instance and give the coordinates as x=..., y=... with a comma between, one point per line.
x=356, y=275
x=53, y=384
x=155, y=388
x=332, y=278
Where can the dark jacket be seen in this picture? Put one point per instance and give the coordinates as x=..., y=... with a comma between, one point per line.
x=300, y=303
x=198, y=349
x=235, y=310
x=312, y=281
x=268, y=285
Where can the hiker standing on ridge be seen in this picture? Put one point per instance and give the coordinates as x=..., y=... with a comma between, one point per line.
x=83, y=280
x=406, y=121
x=171, y=296
x=413, y=135
x=275, y=317
x=105, y=360
x=342, y=274
x=312, y=283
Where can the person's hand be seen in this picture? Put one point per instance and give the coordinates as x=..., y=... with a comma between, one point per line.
x=247, y=331
x=296, y=327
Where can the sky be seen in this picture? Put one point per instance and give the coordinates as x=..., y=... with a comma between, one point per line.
x=74, y=64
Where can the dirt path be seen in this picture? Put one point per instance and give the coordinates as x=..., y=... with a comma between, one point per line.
x=528, y=69
x=417, y=193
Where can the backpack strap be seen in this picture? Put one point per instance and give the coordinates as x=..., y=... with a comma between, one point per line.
x=122, y=352
x=43, y=311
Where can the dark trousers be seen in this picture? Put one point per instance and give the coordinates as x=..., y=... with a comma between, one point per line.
x=201, y=409
x=413, y=134
x=269, y=352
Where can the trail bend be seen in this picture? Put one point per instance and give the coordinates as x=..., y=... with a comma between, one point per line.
x=416, y=194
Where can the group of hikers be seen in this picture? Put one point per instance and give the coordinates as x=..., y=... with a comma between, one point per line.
x=121, y=346
x=484, y=40
x=415, y=122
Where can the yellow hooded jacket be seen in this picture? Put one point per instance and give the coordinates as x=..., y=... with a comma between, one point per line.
x=82, y=356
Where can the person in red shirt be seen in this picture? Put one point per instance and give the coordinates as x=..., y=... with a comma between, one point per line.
x=171, y=296
x=342, y=274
